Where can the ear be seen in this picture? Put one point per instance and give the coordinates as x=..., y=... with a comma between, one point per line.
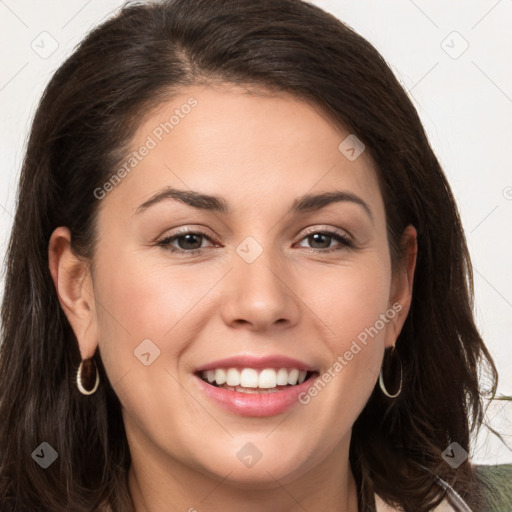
x=401, y=288
x=73, y=282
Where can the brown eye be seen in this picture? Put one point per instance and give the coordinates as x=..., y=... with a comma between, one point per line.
x=321, y=241
x=187, y=242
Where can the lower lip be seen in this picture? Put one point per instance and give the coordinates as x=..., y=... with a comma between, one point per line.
x=255, y=404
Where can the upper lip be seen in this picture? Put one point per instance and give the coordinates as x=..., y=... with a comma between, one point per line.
x=261, y=362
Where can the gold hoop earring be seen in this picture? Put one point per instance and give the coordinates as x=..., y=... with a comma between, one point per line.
x=86, y=374
x=388, y=371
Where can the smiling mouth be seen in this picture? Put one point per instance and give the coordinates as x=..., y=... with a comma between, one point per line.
x=251, y=381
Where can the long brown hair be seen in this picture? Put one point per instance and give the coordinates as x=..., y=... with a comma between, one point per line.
x=84, y=123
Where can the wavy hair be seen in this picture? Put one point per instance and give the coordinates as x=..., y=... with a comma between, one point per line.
x=83, y=126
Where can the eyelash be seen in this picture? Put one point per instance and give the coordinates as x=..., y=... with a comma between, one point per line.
x=165, y=243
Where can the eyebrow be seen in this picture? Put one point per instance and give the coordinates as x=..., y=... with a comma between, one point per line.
x=303, y=204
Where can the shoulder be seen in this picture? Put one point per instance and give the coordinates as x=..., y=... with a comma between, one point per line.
x=497, y=489
x=497, y=482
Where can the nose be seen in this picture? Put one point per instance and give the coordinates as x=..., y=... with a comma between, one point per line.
x=260, y=295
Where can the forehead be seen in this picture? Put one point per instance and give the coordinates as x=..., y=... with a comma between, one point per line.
x=242, y=145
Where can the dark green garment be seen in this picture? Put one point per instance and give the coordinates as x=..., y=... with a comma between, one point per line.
x=498, y=483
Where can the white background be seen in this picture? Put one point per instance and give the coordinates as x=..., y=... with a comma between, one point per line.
x=463, y=95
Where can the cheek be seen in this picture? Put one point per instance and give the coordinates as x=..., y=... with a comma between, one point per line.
x=349, y=298
x=146, y=296
x=138, y=301
x=351, y=304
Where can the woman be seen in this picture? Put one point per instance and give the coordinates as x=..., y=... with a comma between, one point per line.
x=248, y=370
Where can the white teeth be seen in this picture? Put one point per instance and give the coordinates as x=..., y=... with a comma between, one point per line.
x=249, y=378
x=233, y=377
x=282, y=377
x=220, y=377
x=267, y=378
x=293, y=375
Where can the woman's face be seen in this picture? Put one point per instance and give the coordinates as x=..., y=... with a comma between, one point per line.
x=265, y=276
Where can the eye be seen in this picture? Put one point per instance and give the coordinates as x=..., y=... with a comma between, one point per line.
x=187, y=241
x=323, y=239
x=190, y=242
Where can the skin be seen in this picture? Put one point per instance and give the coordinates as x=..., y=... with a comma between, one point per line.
x=299, y=298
